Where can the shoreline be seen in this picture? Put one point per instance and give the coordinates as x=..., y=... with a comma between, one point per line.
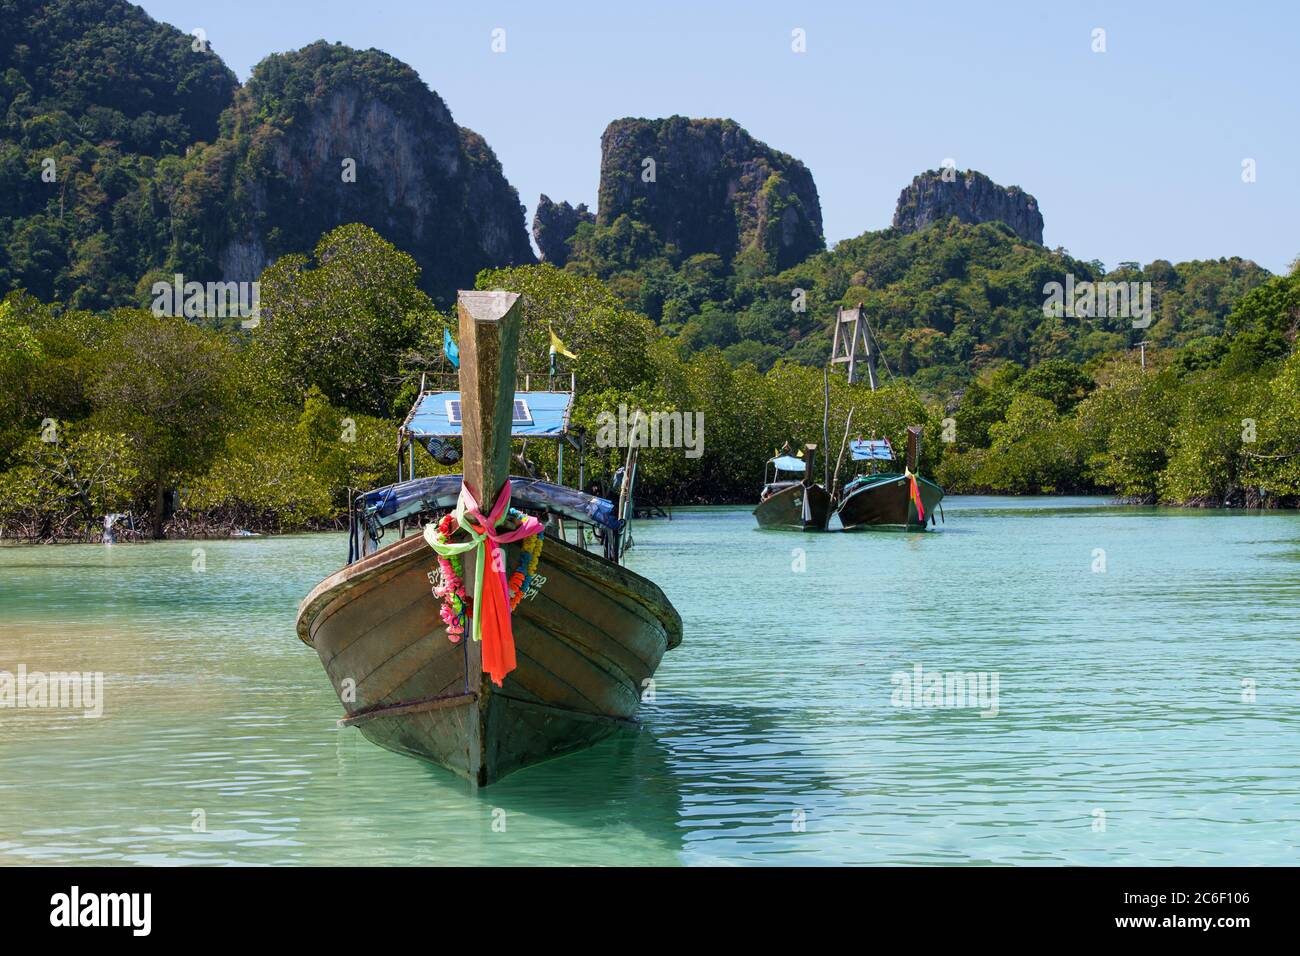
x=10, y=541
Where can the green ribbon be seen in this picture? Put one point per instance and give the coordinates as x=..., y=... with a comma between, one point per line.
x=449, y=548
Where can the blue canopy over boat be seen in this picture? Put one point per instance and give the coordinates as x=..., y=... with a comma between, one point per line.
x=789, y=463
x=439, y=493
x=536, y=414
x=871, y=449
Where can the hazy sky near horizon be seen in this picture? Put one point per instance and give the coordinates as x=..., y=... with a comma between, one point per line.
x=1134, y=153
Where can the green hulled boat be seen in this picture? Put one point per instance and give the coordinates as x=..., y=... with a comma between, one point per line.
x=888, y=500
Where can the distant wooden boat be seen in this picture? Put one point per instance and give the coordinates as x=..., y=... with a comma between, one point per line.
x=888, y=500
x=793, y=503
x=586, y=644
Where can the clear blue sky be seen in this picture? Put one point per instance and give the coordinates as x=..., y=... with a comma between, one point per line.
x=1134, y=153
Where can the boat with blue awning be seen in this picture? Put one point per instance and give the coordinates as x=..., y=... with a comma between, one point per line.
x=879, y=497
x=504, y=630
x=790, y=499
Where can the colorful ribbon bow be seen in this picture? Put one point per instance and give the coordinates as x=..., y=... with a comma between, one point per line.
x=490, y=617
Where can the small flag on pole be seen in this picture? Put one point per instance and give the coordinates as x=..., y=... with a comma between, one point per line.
x=558, y=346
x=450, y=349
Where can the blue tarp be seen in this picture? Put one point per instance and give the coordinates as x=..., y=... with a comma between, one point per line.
x=540, y=414
x=789, y=463
x=439, y=493
x=871, y=449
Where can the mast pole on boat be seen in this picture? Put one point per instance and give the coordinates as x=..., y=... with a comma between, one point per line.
x=834, y=489
x=489, y=343
x=869, y=341
x=826, y=425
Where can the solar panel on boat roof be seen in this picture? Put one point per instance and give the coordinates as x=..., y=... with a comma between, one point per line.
x=520, y=416
x=872, y=449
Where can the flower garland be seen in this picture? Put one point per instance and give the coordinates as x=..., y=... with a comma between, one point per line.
x=449, y=580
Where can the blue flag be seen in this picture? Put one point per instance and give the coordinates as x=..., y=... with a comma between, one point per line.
x=449, y=348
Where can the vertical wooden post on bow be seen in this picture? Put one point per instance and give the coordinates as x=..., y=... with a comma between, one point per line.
x=488, y=342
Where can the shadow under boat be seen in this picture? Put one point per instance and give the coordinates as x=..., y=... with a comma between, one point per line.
x=586, y=640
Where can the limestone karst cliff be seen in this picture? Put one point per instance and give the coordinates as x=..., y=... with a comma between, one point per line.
x=970, y=196
x=706, y=185
x=554, y=224
x=328, y=135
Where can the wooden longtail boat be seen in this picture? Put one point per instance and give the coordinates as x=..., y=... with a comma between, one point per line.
x=586, y=642
x=792, y=504
x=888, y=500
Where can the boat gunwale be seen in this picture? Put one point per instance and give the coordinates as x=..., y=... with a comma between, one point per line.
x=389, y=559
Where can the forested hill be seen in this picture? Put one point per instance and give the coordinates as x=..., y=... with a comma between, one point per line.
x=129, y=151
x=945, y=302
x=719, y=242
x=94, y=98
x=101, y=71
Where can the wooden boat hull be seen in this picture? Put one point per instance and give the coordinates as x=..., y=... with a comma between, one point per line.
x=887, y=504
x=784, y=511
x=585, y=645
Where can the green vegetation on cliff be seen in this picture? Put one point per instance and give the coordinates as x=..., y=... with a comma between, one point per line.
x=97, y=104
x=129, y=152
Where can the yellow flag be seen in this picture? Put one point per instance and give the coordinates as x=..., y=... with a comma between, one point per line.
x=558, y=346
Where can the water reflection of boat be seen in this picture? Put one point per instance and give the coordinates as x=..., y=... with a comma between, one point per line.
x=585, y=640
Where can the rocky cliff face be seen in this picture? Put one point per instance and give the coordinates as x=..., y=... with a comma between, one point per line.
x=971, y=197
x=708, y=186
x=554, y=224
x=329, y=135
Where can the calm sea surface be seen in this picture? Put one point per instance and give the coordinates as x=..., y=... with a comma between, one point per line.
x=1147, y=713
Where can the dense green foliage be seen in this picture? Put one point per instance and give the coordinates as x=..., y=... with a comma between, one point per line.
x=1211, y=423
x=945, y=302
x=129, y=153
x=110, y=411
x=114, y=411
x=97, y=104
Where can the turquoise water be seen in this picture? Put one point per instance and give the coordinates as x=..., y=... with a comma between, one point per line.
x=1146, y=714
